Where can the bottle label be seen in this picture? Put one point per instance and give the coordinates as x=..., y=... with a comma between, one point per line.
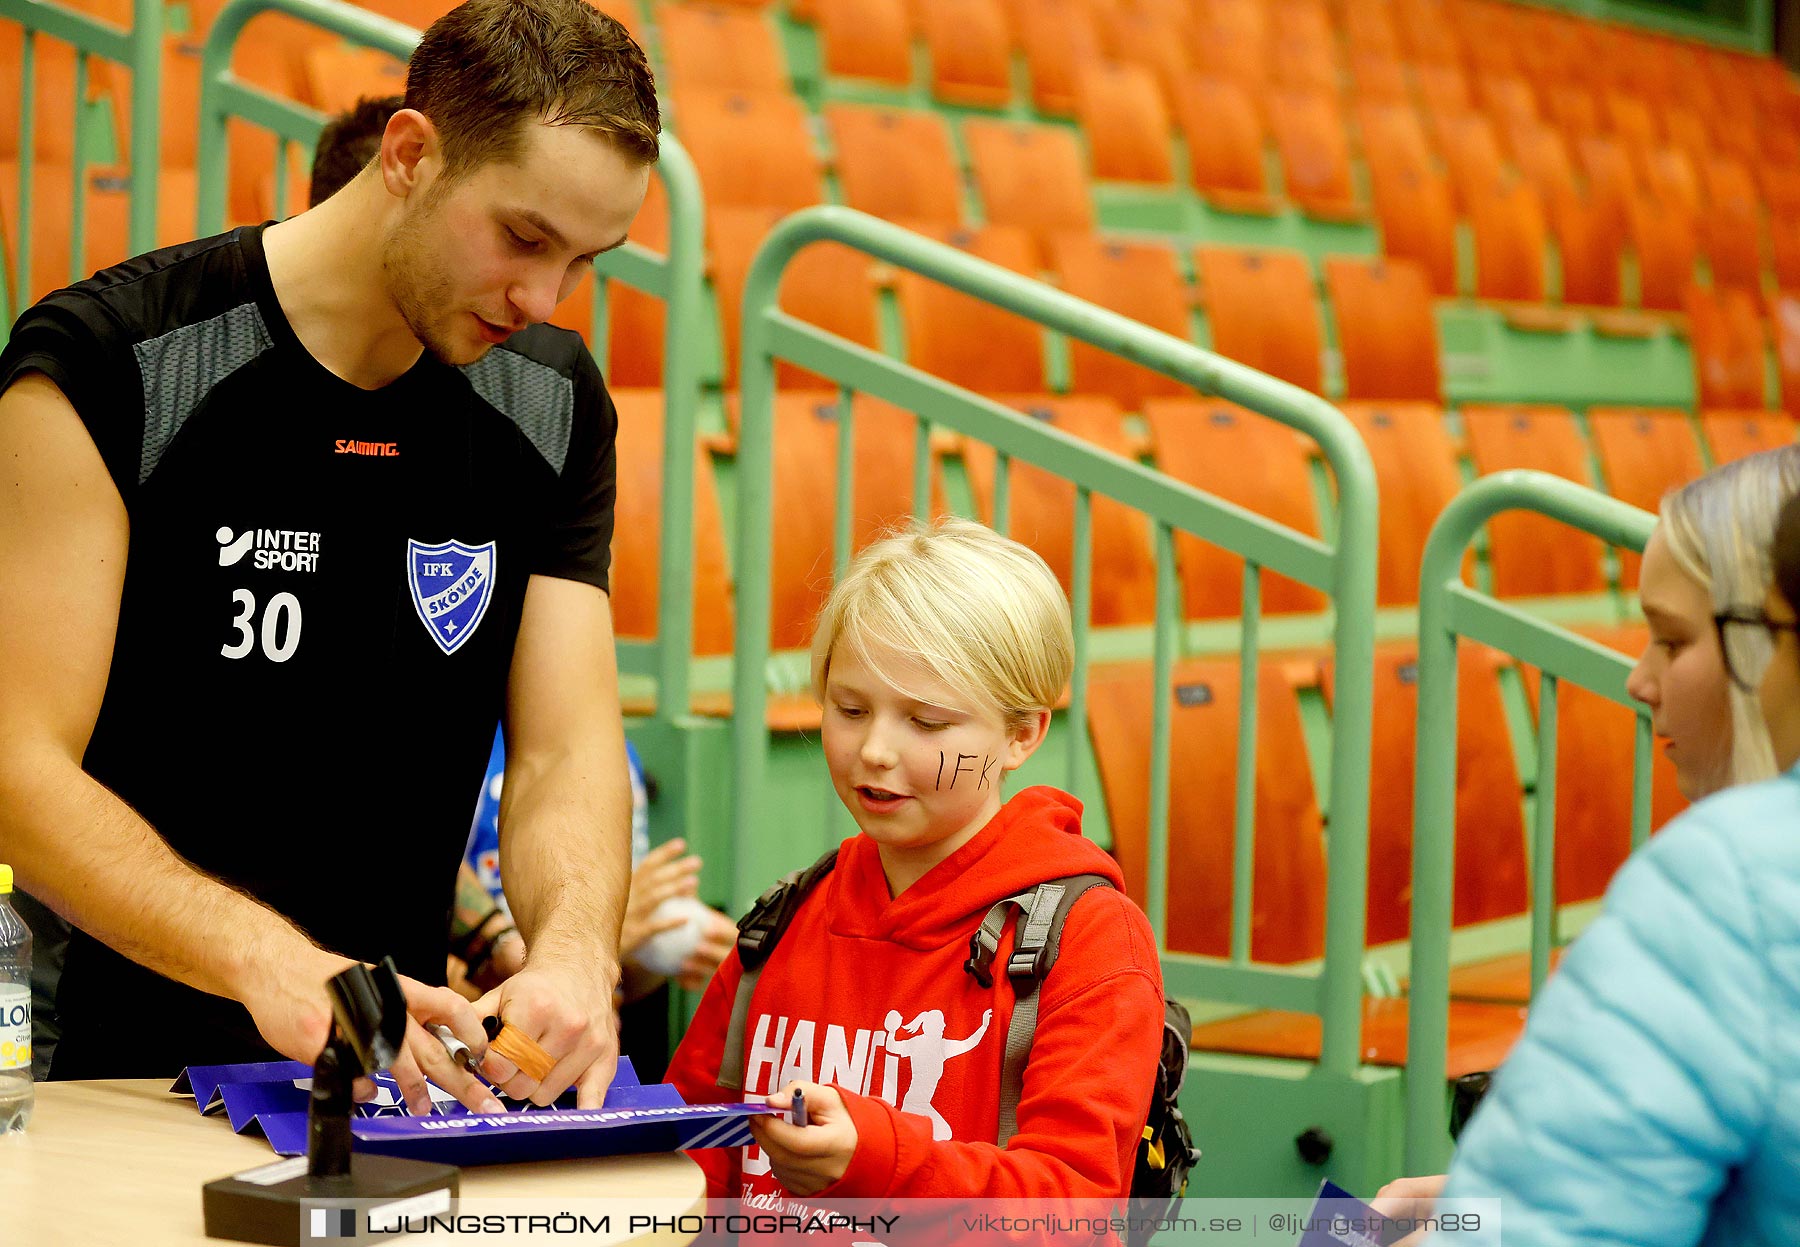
x=15, y=1026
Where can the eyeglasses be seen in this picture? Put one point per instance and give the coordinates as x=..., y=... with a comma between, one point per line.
x=1744, y=634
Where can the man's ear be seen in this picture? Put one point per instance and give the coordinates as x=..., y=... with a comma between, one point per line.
x=411, y=154
x=1024, y=740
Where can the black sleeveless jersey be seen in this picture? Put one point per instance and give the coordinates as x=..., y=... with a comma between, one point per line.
x=321, y=600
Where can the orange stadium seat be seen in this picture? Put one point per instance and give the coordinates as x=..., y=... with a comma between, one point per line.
x=826, y=284
x=1727, y=335
x=1030, y=177
x=1611, y=182
x=1508, y=102
x=1379, y=79
x=1669, y=177
x=720, y=48
x=1665, y=244
x=1126, y=124
x=1631, y=120
x=1206, y=443
x=1784, y=245
x=1543, y=158
x=869, y=39
x=339, y=75
x=1135, y=279
x=1414, y=209
x=1644, y=453
x=1225, y=142
x=1156, y=41
x=1304, y=64
x=1262, y=311
x=1472, y=157
x=1442, y=89
x=1058, y=37
x=1688, y=133
x=1574, y=110
x=751, y=150
x=1490, y=871
x=108, y=222
x=1393, y=138
x=1386, y=328
x=1315, y=155
x=1040, y=509
x=1509, y=244
x=964, y=340
x=636, y=321
x=1784, y=328
x=1532, y=554
x=1593, y=789
x=971, y=52
x=895, y=163
x=1588, y=251
x=1737, y=434
x=805, y=478
x=637, y=531
x=1416, y=470
x=1288, y=905
x=1731, y=229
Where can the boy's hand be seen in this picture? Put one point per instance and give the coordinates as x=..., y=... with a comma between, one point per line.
x=807, y=1159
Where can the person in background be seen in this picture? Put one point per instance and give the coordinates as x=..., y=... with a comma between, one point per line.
x=1710, y=552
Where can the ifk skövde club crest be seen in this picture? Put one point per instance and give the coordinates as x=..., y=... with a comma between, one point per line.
x=451, y=585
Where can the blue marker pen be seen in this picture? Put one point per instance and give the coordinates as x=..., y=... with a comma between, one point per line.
x=799, y=1110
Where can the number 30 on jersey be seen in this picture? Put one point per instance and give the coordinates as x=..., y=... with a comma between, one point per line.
x=276, y=627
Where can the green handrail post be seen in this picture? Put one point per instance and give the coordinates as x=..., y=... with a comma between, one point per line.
x=1448, y=611
x=1346, y=571
x=138, y=50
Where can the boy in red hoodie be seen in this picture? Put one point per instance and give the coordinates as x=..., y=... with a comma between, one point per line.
x=937, y=660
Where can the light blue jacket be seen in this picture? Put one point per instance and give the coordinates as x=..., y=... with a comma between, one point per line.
x=1655, y=1095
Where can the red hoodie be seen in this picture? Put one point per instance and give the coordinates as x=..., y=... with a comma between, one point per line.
x=867, y=993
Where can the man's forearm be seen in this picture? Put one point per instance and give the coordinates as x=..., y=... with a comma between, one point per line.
x=565, y=850
x=88, y=855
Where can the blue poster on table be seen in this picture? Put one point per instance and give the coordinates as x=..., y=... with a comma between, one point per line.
x=271, y=1097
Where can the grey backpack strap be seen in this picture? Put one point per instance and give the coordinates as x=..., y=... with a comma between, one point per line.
x=758, y=932
x=1036, y=942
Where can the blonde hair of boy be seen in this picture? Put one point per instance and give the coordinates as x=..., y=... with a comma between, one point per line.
x=1720, y=530
x=978, y=610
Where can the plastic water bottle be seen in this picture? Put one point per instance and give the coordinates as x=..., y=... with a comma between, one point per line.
x=16, y=1093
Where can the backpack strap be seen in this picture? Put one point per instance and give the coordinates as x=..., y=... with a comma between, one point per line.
x=758, y=933
x=1037, y=939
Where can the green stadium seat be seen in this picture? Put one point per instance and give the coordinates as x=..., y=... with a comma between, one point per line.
x=897, y=164
x=1533, y=555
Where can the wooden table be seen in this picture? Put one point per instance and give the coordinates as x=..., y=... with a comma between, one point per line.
x=123, y=1162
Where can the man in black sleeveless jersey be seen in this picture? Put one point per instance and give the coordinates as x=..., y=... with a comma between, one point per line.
x=288, y=518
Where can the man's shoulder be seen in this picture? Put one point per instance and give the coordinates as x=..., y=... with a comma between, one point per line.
x=561, y=350
x=161, y=291
x=545, y=382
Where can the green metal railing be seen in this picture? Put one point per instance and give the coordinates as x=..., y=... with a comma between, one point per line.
x=1450, y=611
x=138, y=50
x=1346, y=570
x=677, y=278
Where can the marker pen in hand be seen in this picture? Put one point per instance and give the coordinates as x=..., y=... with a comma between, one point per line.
x=799, y=1109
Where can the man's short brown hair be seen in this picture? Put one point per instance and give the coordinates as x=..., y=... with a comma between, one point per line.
x=488, y=67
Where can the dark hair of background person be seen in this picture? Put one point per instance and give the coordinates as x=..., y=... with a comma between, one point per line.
x=488, y=67
x=347, y=144
x=1787, y=552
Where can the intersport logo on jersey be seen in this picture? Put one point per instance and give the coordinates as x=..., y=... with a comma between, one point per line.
x=273, y=549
